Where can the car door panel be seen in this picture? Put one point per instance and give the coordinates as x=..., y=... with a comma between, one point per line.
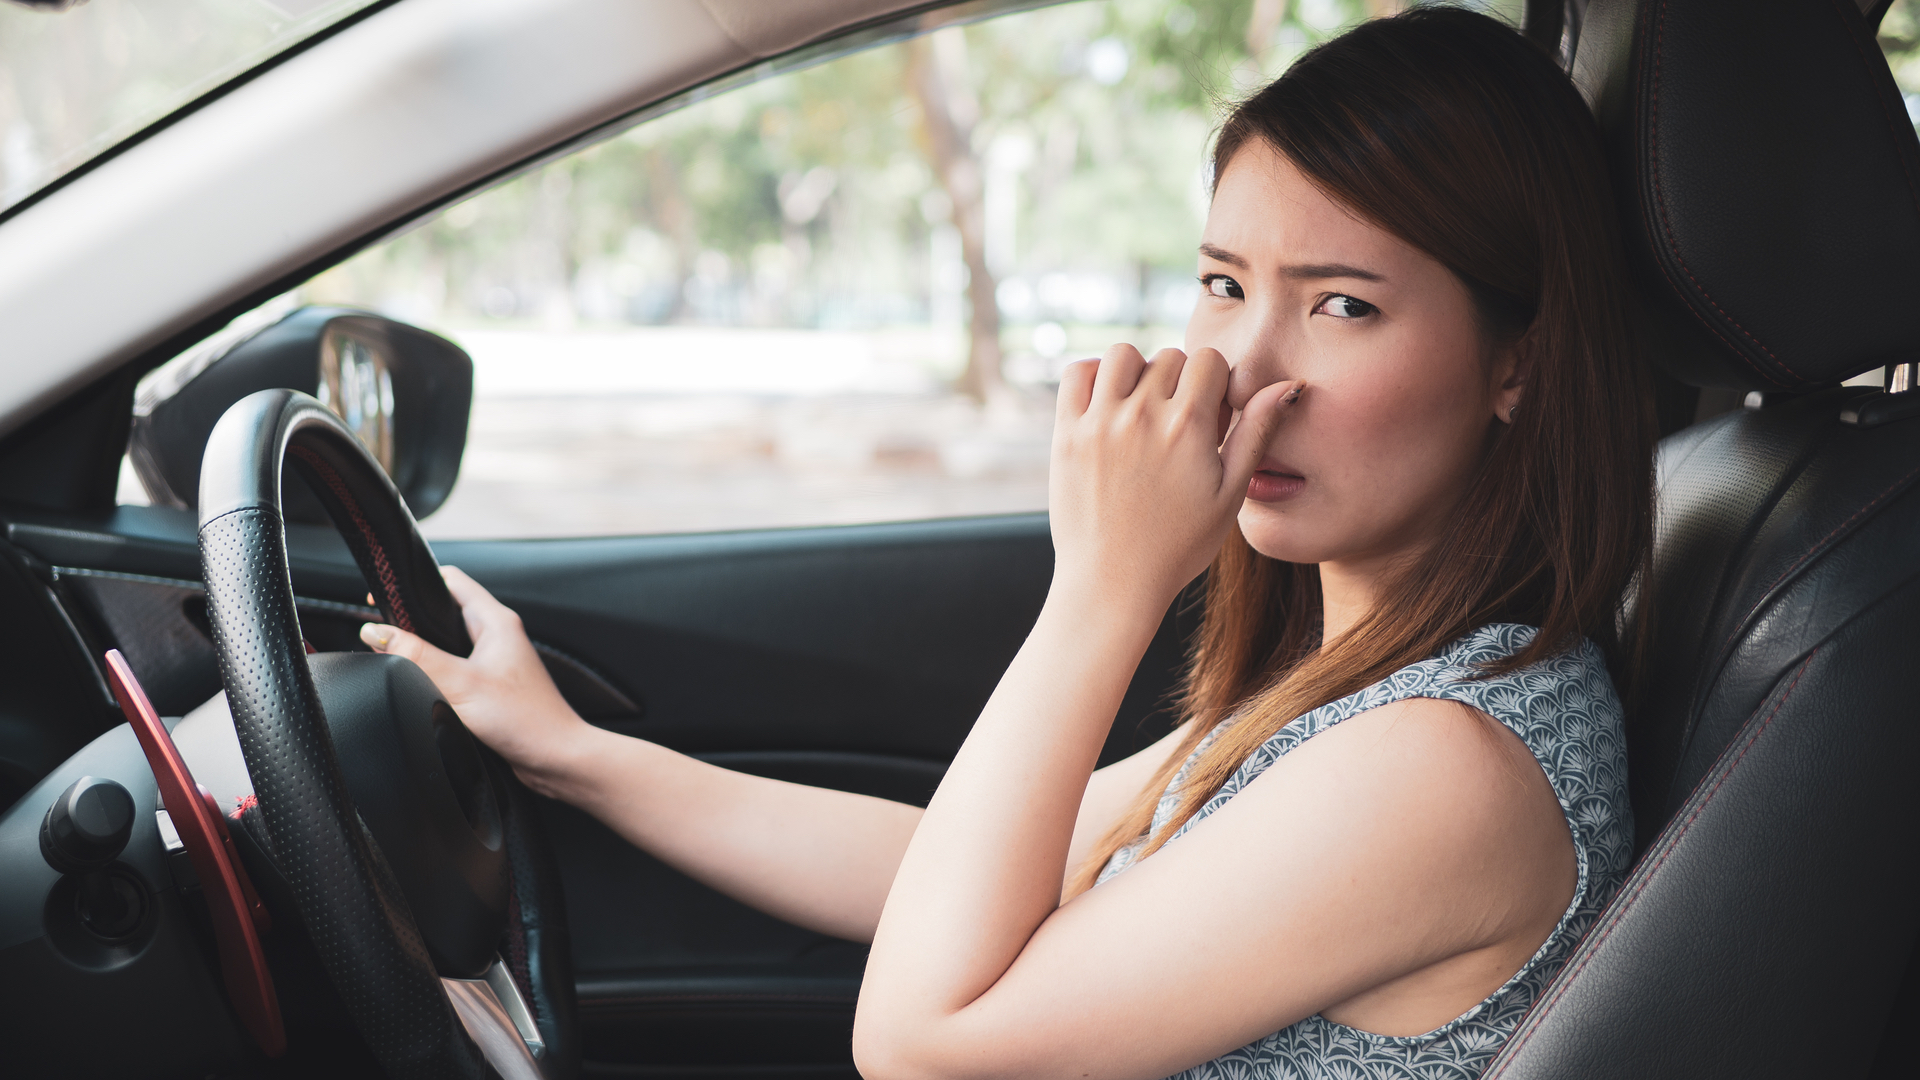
x=880, y=638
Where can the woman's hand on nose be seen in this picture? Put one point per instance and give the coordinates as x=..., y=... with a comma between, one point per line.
x=1142, y=488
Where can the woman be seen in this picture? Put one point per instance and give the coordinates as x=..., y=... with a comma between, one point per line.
x=1407, y=432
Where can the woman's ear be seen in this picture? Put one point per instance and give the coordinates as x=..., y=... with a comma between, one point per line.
x=1511, y=368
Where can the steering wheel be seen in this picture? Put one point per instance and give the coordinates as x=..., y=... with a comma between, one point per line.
x=439, y=872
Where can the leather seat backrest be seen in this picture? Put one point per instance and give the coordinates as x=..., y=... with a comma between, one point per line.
x=1770, y=183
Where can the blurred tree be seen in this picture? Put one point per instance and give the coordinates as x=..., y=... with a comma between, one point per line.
x=937, y=71
x=1262, y=22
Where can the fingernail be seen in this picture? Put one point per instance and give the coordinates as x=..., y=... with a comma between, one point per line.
x=376, y=635
x=1295, y=395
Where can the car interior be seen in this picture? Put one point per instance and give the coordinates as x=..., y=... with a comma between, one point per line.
x=358, y=888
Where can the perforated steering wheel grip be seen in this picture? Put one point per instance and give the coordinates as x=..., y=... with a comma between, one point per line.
x=347, y=896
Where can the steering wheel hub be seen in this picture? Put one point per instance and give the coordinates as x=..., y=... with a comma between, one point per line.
x=416, y=775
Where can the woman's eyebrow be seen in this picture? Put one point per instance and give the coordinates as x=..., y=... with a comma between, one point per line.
x=1329, y=270
x=1220, y=254
x=1298, y=270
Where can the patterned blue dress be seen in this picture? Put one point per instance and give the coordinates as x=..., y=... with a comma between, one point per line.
x=1567, y=713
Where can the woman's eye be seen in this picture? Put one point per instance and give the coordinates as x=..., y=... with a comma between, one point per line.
x=1344, y=307
x=1222, y=286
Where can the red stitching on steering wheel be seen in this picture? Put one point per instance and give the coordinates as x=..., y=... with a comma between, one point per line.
x=382, y=568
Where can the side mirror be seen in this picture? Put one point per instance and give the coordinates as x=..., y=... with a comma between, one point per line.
x=405, y=392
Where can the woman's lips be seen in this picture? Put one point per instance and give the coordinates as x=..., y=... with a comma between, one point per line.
x=1272, y=485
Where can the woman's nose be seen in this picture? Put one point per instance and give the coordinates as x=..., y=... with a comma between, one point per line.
x=1251, y=372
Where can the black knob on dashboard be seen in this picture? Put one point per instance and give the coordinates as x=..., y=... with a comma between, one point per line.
x=87, y=826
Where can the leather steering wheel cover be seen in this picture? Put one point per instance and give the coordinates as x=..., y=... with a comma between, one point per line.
x=405, y=581
x=242, y=468
x=353, y=908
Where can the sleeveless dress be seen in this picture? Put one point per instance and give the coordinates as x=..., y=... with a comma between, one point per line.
x=1567, y=713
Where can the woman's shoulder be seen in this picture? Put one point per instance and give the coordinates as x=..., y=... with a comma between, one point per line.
x=1566, y=699
x=1564, y=707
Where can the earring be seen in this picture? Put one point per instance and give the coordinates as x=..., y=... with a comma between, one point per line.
x=1511, y=409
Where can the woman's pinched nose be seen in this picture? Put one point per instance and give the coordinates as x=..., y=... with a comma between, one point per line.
x=1252, y=372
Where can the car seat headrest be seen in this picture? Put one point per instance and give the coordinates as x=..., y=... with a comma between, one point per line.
x=1770, y=185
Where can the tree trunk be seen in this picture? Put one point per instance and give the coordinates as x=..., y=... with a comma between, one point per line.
x=937, y=71
x=675, y=217
x=1261, y=25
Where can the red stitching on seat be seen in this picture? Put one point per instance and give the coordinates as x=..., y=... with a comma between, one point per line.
x=1673, y=245
x=1617, y=912
x=382, y=568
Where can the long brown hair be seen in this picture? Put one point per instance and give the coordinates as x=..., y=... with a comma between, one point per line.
x=1452, y=132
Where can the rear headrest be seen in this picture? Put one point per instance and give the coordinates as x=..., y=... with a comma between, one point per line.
x=1770, y=182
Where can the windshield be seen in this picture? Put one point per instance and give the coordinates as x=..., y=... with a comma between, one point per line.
x=75, y=82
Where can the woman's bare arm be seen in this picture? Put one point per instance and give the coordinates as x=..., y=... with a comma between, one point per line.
x=1110, y=792
x=815, y=857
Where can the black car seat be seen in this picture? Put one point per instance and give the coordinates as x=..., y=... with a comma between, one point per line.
x=1770, y=185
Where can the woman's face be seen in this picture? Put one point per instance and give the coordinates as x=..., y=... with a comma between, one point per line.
x=1402, y=384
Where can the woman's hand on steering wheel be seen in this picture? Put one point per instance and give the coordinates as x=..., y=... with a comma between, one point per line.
x=502, y=692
